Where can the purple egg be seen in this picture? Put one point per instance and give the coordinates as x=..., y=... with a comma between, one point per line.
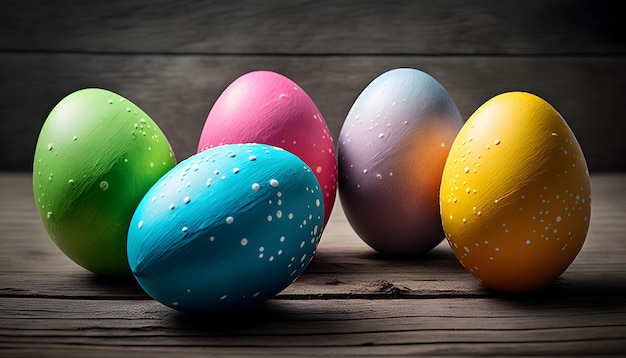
x=392, y=149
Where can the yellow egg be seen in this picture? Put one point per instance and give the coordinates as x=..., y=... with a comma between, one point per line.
x=515, y=195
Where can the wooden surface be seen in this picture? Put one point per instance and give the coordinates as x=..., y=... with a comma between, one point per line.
x=349, y=302
x=174, y=58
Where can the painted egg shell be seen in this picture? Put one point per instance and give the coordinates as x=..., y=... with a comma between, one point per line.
x=515, y=194
x=267, y=107
x=392, y=148
x=229, y=227
x=96, y=156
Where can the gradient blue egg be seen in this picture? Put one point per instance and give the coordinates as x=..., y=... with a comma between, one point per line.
x=227, y=228
x=391, y=152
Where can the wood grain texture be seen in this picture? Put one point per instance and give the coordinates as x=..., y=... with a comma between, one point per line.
x=174, y=58
x=178, y=92
x=350, y=301
x=304, y=27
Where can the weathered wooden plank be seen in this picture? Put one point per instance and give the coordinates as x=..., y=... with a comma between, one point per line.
x=279, y=318
x=592, y=282
x=327, y=324
x=608, y=348
x=179, y=91
x=344, y=267
x=313, y=27
x=148, y=318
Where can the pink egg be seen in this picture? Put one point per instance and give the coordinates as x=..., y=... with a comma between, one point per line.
x=267, y=107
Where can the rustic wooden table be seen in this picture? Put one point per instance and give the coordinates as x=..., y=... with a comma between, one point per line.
x=350, y=301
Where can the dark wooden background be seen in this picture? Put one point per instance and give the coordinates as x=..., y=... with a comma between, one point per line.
x=174, y=58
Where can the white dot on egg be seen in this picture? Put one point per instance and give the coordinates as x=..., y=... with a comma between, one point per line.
x=244, y=242
x=274, y=183
x=230, y=220
x=318, y=169
x=256, y=187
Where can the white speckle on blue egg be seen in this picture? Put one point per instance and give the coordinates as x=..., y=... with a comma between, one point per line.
x=212, y=243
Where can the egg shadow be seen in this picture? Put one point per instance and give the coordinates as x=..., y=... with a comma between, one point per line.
x=439, y=252
x=440, y=257
x=122, y=287
x=270, y=323
x=272, y=320
x=575, y=289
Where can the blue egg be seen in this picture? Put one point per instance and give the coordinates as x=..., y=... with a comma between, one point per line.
x=227, y=228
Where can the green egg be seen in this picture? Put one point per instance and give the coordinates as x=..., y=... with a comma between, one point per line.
x=97, y=155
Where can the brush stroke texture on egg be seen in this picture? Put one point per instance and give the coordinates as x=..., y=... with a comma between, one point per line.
x=391, y=151
x=229, y=227
x=267, y=107
x=97, y=155
x=515, y=194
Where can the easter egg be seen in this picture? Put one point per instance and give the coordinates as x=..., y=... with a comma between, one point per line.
x=96, y=156
x=391, y=152
x=267, y=107
x=227, y=228
x=515, y=194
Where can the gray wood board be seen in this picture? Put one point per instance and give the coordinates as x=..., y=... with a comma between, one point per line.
x=179, y=91
x=314, y=27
